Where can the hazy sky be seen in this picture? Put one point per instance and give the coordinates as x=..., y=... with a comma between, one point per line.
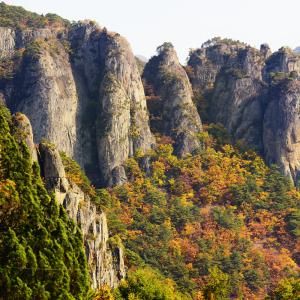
x=185, y=23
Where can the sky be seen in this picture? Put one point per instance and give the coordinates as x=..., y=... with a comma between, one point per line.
x=185, y=23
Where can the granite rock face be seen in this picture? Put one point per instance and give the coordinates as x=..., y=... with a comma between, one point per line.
x=23, y=132
x=47, y=94
x=81, y=89
x=254, y=94
x=207, y=61
x=7, y=42
x=104, y=60
x=105, y=262
x=178, y=115
x=123, y=120
x=52, y=170
x=237, y=98
x=282, y=61
x=282, y=128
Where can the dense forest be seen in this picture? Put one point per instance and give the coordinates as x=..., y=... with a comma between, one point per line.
x=220, y=223
x=41, y=250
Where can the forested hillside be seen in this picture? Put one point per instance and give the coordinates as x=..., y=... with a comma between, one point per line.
x=220, y=223
x=41, y=249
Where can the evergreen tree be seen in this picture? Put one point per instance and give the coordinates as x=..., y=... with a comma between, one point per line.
x=41, y=249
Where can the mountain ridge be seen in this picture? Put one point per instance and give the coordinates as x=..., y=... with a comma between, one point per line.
x=184, y=205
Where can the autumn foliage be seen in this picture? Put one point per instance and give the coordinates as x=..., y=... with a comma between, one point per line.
x=221, y=224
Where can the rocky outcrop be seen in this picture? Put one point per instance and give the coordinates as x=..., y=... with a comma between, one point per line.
x=7, y=42
x=46, y=93
x=265, y=50
x=23, y=132
x=207, y=61
x=52, y=170
x=282, y=128
x=105, y=262
x=255, y=95
x=12, y=39
x=85, y=84
x=282, y=61
x=237, y=100
x=105, y=259
x=178, y=115
x=104, y=61
x=123, y=120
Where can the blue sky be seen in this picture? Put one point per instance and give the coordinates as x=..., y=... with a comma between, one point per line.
x=185, y=23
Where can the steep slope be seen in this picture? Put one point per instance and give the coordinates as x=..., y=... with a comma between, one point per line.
x=178, y=117
x=73, y=192
x=232, y=71
x=237, y=98
x=86, y=85
x=283, y=61
x=207, y=61
x=41, y=250
x=23, y=132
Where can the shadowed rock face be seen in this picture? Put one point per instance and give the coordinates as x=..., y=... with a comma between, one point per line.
x=81, y=90
x=179, y=117
x=282, y=128
x=237, y=97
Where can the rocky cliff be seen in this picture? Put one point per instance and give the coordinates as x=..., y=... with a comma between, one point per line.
x=177, y=114
x=85, y=84
x=281, y=132
x=253, y=93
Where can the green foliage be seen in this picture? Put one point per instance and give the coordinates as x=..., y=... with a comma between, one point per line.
x=226, y=218
x=254, y=280
x=164, y=47
x=218, y=40
x=75, y=174
x=219, y=133
x=293, y=223
x=9, y=66
x=41, y=250
x=18, y=17
x=217, y=286
x=277, y=77
x=287, y=289
x=147, y=284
